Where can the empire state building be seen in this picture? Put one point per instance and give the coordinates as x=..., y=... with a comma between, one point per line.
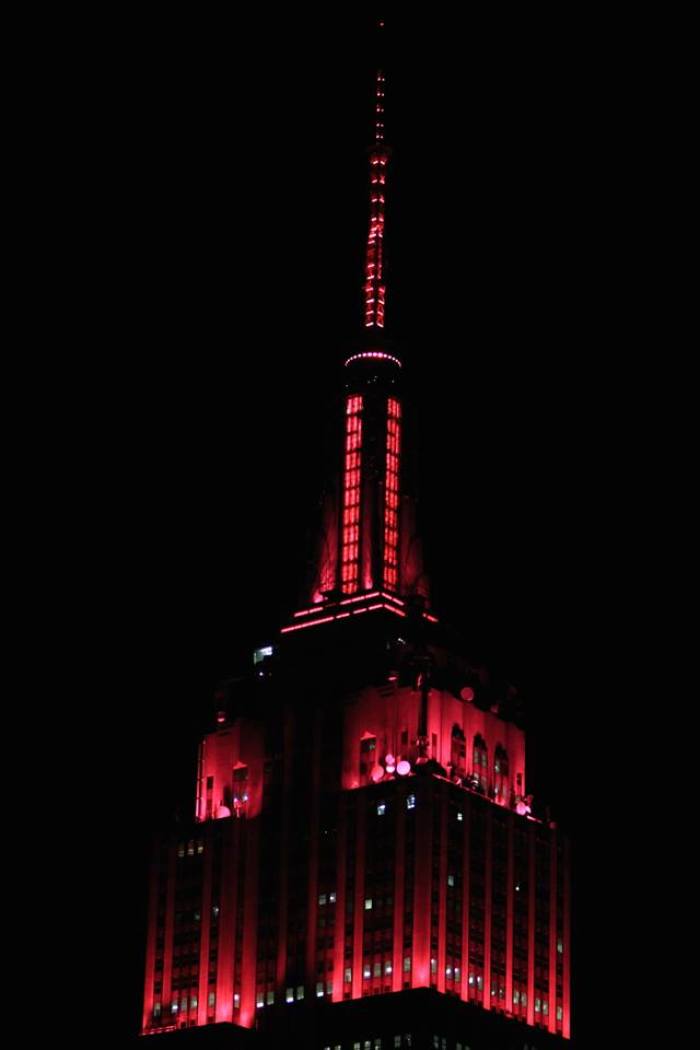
x=365, y=868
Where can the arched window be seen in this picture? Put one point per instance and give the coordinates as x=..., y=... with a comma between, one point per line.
x=458, y=754
x=368, y=754
x=500, y=774
x=240, y=788
x=481, y=764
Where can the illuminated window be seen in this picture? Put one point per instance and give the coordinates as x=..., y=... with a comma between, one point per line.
x=322, y=899
x=368, y=904
x=210, y=797
x=290, y=995
x=377, y=969
x=240, y=786
x=367, y=971
x=174, y=1008
x=560, y=947
x=260, y=1000
x=319, y=990
x=458, y=750
x=411, y=802
x=348, y=975
x=460, y=816
x=500, y=773
x=332, y=898
x=480, y=774
x=368, y=752
x=260, y=654
x=381, y=809
x=407, y=964
x=300, y=992
x=450, y=880
x=212, y=998
x=433, y=965
x=157, y=1009
x=388, y=968
x=237, y=1000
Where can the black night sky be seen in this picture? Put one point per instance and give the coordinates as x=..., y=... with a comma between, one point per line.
x=238, y=211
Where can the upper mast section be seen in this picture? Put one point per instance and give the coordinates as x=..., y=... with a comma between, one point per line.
x=374, y=286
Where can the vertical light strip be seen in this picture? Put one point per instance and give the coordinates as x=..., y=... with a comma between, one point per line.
x=488, y=910
x=391, y=495
x=374, y=288
x=531, y=920
x=552, y=997
x=398, y=974
x=350, y=554
x=339, y=964
x=359, y=920
x=510, y=912
x=566, y=977
x=205, y=928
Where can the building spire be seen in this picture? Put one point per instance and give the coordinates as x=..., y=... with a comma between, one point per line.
x=374, y=286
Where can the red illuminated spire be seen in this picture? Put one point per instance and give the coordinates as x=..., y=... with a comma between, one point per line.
x=370, y=553
x=374, y=287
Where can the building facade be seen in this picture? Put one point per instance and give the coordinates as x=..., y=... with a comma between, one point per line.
x=364, y=869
